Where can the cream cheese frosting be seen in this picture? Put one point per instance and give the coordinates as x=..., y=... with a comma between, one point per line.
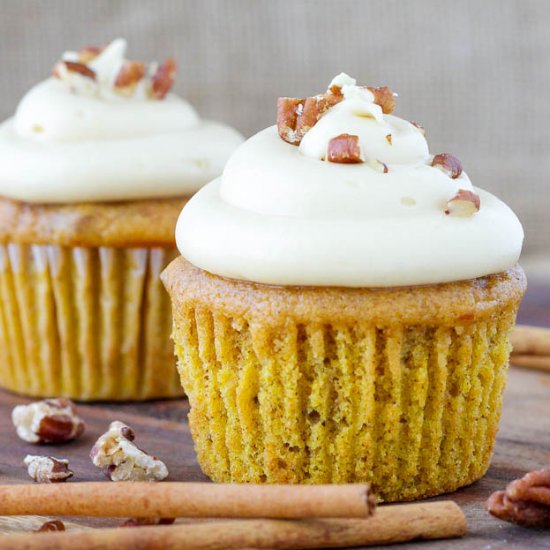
x=282, y=215
x=74, y=139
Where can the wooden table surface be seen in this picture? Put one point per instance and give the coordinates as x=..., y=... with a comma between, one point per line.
x=523, y=444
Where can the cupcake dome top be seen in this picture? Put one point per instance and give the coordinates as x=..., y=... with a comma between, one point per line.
x=104, y=128
x=343, y=193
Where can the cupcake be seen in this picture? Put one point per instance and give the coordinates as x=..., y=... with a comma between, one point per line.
x=343, y=304
x=95, y=167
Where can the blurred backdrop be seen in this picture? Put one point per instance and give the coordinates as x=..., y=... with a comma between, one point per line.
x=475, y=73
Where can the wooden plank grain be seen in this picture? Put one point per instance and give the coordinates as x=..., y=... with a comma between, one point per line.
x=523, y=444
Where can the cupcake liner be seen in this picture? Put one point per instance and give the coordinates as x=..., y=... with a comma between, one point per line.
x=413, y=410
x=85, y=323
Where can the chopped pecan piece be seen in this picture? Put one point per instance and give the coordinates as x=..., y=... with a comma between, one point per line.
x=288, y=111
x=464, y=203
x=120, y=458
x=295, y=117
x=53, y=525
x=419, y=126
x=129, y=75
x=344, y=149
x=163, y=79
x=48, y=469
x=80, y=68
x=448, y=164
x=525, y=501
x=384, y=97
x=88, y=53
x=379, y=166
x=47, y=421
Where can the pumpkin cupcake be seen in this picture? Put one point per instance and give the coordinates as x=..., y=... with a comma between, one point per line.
x=343, y=304
x=95, y=167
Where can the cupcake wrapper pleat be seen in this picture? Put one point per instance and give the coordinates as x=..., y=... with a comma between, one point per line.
x=412, y=410
x=85, y=323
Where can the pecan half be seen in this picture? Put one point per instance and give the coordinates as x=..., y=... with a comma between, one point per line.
x=121, y=460
x=448, y=164
x=48, y=469
x=163, y=79
x=53, y=525
x=464, y=203
x=47, y=421
x=525, y=501
x=344, y=149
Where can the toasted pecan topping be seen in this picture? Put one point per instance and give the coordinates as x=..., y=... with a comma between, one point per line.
x=384, y=97
x=419, y=126
x=344, y=149
x=80, y=68
x=296, y=116
x=464, y=203
x=88, y=53
x=129, y=75
x=163, y=79
x=448, y=164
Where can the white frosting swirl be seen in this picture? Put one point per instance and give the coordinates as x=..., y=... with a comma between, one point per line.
x=76, y=140
x=280, y=215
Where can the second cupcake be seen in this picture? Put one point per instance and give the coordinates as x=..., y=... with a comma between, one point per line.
x=94, y=169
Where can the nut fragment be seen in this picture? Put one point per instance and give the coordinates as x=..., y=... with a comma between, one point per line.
x=383, y=97
x=121, y=460
x=389, y=139
x=89, y=53
x=448, y=164
x=344, y=149
x=48, y=469
x=419, y=126
x=163, y=79
x=80, y=68
x=141, y=522
x=525, y=501
x=48, y=421
x=464, y=203
x=53, y=525
x=295, y=117
x=128, y=77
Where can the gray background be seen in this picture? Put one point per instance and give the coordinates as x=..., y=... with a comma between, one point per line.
x=476, y=73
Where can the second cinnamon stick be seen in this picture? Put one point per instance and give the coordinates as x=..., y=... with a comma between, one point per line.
x=390, y=524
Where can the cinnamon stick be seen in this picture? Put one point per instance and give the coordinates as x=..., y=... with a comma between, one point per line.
x=180, y=499
x=536, y=362
x=390, y=524
x=528, y=340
